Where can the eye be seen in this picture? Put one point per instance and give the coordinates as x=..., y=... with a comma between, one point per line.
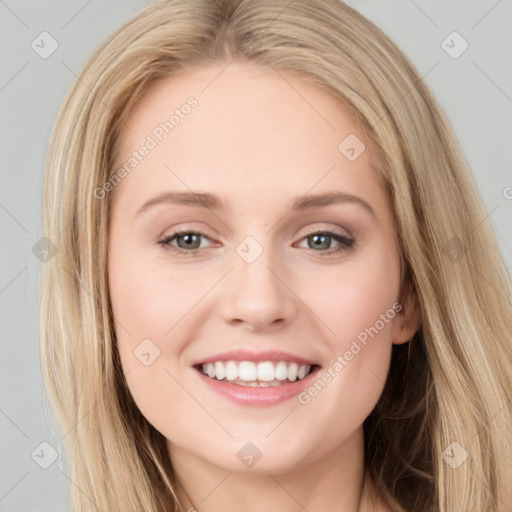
x=319, y=240
x=188, y=242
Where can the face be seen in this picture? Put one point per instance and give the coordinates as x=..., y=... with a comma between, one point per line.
x=256, y=268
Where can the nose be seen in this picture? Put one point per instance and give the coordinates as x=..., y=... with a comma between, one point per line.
x=258, y=295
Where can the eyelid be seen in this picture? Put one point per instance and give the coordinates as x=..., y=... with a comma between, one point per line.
x=184, y=228
x=315, y=230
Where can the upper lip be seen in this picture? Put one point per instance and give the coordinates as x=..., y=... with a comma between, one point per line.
x=247, y=355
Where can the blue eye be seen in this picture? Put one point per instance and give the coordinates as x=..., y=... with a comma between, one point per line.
x=323, y=239
x=189, y=242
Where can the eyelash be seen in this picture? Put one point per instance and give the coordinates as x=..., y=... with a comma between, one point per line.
x=346, y=243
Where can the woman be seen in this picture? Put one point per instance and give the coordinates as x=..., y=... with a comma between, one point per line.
x=339, y=337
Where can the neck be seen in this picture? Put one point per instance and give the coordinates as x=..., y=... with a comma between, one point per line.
x=330, y=481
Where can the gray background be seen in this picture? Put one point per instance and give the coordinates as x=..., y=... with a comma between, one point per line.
x=475, y=90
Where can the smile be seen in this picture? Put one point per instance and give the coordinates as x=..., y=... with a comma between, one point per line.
x=263, y=374
x=256, y=384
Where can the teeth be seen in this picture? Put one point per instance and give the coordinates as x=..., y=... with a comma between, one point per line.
x=220, y=371
x=248, y=373
x=281, y=371
x=231, y=370
x=292, y=371
x=266, y=372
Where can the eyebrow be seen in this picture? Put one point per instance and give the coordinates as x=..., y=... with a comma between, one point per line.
x=213, y=202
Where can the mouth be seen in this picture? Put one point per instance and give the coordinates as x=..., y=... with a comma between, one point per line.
x=263, y=378
x=261, y=374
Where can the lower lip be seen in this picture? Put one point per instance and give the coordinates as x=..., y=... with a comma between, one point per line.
x=247, y=395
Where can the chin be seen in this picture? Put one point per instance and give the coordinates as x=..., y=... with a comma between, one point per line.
x=259, y=454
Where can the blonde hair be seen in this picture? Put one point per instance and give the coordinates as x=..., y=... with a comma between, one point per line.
x=452, y=383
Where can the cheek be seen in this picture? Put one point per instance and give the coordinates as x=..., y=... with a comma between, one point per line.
x=147, y=307
x=352, y=296
x=357, y=301
x=151, y=298
x=147, y=297
x=140, y=302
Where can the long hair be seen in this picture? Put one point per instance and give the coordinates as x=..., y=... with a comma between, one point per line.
x=439, y=438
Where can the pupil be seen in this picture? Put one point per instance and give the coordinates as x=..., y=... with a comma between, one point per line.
x=189, y=239
x=318, y=243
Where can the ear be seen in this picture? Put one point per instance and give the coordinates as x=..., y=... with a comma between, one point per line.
x=408, y=319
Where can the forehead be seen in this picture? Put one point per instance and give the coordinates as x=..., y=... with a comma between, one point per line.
x=252, y=129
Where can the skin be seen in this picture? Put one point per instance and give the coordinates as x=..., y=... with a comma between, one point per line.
x=258, y=144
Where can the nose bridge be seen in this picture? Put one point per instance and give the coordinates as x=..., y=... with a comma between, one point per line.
x=256, y=294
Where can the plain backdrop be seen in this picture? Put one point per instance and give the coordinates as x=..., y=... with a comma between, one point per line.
x=473, y=87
